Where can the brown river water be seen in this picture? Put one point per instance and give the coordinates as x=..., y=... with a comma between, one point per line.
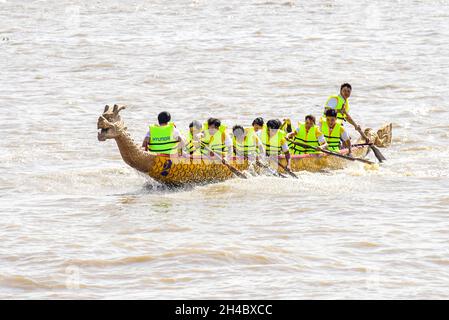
x=77, y=222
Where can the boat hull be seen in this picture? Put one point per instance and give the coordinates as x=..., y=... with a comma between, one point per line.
x=179, y=170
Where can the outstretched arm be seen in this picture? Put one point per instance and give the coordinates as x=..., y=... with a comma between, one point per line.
x=288, y=158
x=356, y=126
x=347, y=144
x=181, y=141
x=229, y=147
x=346, y=139
x=321, y=140
x=286, y=151
x=291, y=135
x=145, y=143
x=287, y=125
x=260, y=147
x=349, y=119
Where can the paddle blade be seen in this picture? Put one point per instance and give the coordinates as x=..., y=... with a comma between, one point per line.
x=289, y=172
x=378, y=154
x=236, y=172
x=292, y=174
x=270, y=170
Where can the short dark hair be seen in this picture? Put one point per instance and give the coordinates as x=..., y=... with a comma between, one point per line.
x=195, y=124
x=331, y=113
x=210, y=121
x=345, y=85
x=310, y=117
x=274, y=124
x=164, y=117
x=259, y=121
x=214, y=122
x=238, y=128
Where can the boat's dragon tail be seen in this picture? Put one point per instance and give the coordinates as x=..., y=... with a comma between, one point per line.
x=381, y=138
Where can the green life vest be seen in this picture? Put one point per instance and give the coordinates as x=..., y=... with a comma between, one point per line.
x=303, y=136
x=341, y=102
x=332, y=138
x=190, y=145
x=218, y=139
x=207, y=135
x=247, y=147
x=161, y=139
x=272, y=145
x=216, y=143
x=250, y=130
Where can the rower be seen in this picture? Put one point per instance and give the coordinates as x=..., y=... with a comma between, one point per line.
x=340, y=103
x=206, y=135
x=163, y=138
x=333, y=131
x=274, y=142
x=216, y=138
x=258, y=125
x=245, y=143
x=194, y=138
x=307, y=132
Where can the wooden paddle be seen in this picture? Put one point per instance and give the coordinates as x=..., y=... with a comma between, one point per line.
x=234, y=170
x=361, y=144
x=330, y=152
x=272, y=171
x=376, y=151
x=291, y=173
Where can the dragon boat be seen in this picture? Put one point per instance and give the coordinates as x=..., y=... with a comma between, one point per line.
x=186, y=169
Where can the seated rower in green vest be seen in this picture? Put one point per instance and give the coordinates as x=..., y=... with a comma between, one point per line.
x=334, y=132
x=274, y=142
x=206, y=133
x=340, y=104
x=308, y=133
x=193, y=143
x=216, y=138
x=163, y=138
x=245, y=143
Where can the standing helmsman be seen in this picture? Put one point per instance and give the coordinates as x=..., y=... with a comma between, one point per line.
x=340, y=104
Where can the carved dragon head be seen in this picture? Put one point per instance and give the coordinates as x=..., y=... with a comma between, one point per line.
x=110, y=124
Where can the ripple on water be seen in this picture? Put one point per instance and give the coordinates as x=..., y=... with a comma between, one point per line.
x=109, y=262
x=28, y=283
